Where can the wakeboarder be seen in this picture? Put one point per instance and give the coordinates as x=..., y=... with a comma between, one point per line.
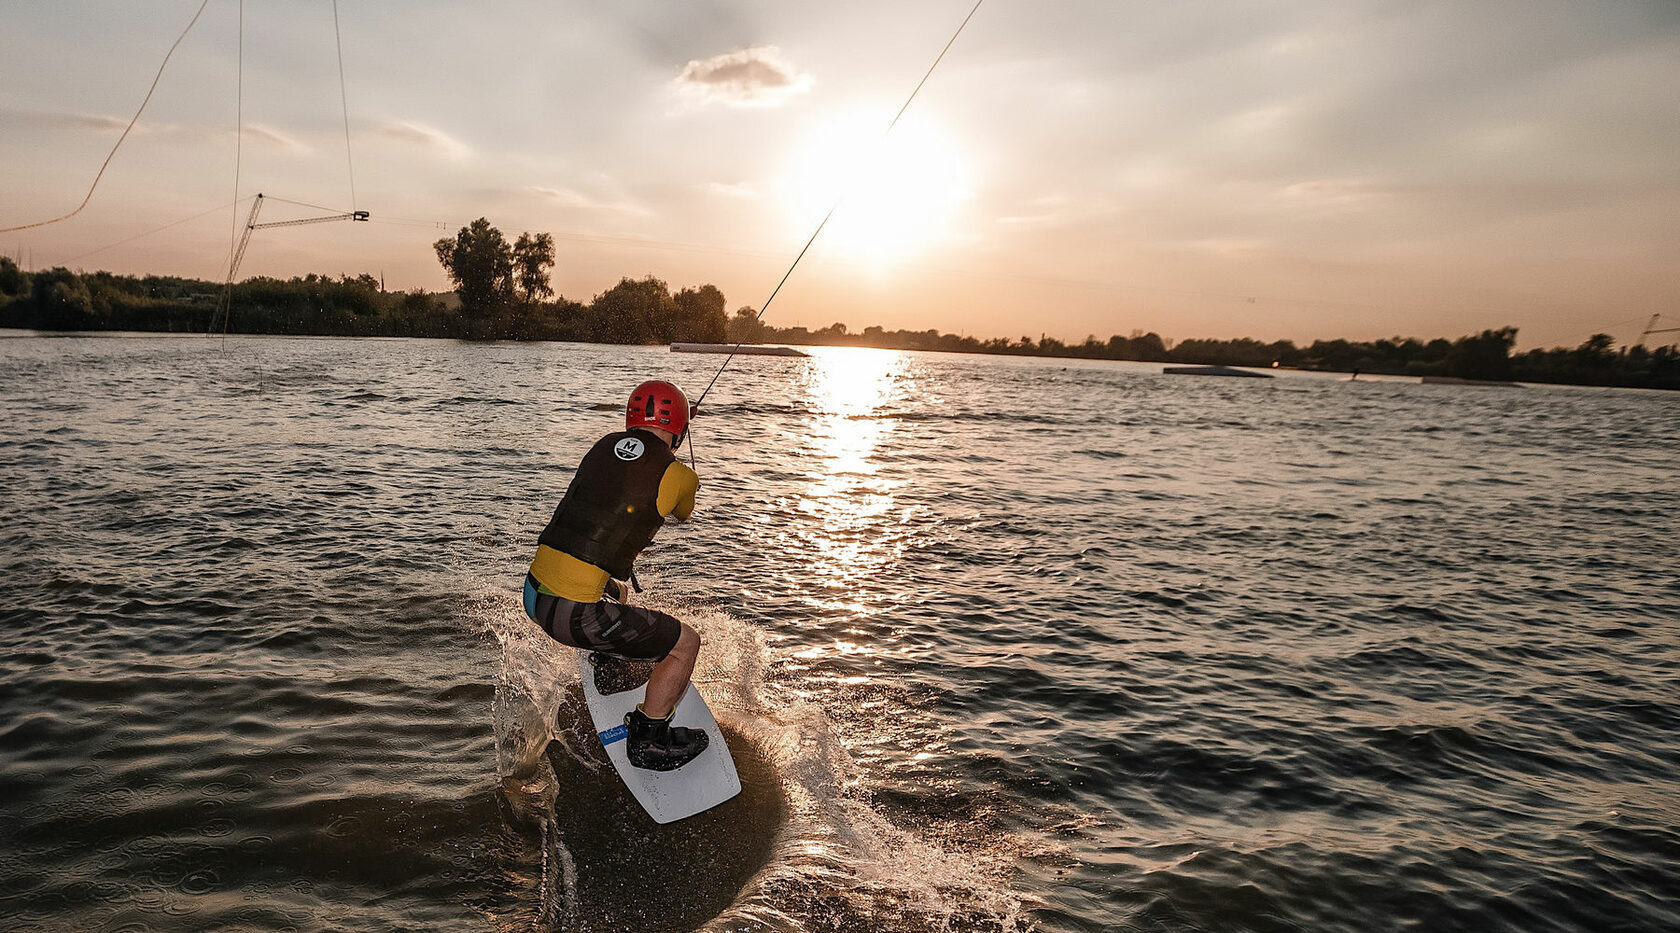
x=625, y=489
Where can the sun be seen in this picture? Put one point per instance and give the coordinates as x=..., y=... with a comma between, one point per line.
x=898, y=195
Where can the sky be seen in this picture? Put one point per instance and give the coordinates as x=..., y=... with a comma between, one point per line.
x=1275, y=169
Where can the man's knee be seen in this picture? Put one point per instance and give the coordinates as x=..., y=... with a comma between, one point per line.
x=688, y=642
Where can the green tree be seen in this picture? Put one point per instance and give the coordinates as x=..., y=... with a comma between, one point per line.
x=62, y=300
x=745, y=327
x=480, y=263
x=633, y=311
x=1148, y=346
x=1338, y=354
x=533, y=256
x=1484, y=356
x=12, y=279
x=700, y=316
x=1596, y=352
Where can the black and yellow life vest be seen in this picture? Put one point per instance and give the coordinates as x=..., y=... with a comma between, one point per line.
x=611, y=511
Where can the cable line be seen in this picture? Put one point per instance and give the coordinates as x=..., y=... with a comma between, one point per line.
x=237, y=242
x=219, y=207
x=238, y=158
x=1652, y=328
x=125, y=132
x=251, y=226
x=313, y=207
x=836, y=206
x=344, y=99
x=1588, y=333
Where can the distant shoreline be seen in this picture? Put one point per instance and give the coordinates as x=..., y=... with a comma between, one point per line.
x=13, y=332
x=647, y=312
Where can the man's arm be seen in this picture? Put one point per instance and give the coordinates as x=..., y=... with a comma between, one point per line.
x=676, y=491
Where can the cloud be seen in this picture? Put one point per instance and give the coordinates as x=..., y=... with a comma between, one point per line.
x=755, y=77
x=735, y=190
x=424, y=137
x=257, y=132
x=70, y=120
x=1044, y=211
x=1337, y=192
x=580, y=201
x=269, y=134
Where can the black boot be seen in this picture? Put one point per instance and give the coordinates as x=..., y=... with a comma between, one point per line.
x=656, y=745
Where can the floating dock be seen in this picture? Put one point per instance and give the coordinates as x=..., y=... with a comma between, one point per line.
x=1458, y=381
x=745, y=349
x=1213, y=371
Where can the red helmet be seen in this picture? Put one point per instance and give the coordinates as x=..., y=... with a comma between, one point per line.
x=658, y=404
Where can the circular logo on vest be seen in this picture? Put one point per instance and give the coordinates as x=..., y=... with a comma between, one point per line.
x=628, y=449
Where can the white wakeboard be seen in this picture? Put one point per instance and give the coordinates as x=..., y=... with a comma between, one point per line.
x=667, y=796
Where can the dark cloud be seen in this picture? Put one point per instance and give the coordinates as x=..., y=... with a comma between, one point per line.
x=749, y=77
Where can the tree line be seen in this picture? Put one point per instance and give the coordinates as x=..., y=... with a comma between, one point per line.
x=1485, y=355
x=501, y=288
x=503, y=292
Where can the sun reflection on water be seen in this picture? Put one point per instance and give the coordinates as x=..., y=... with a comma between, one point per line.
x=849, y=503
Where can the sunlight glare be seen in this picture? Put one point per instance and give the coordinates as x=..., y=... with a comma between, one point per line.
x=850, y=505
x=898, y=196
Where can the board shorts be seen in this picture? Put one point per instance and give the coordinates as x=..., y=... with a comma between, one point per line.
x=608, y=627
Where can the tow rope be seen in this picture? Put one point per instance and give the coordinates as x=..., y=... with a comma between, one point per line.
x=832, y=208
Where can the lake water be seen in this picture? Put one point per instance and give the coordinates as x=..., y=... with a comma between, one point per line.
x=1000, y=644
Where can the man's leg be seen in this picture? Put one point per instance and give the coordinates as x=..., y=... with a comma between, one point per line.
x=670, y=677
x=655, y=743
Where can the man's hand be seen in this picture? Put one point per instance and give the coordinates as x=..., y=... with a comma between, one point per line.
x=618, y=591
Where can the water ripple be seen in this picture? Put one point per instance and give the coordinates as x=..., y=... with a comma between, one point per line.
x=999, y=644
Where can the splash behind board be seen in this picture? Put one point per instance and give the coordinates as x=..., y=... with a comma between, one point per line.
x=667, y=796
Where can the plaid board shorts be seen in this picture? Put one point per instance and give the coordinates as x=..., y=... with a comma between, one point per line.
x=605, y=626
